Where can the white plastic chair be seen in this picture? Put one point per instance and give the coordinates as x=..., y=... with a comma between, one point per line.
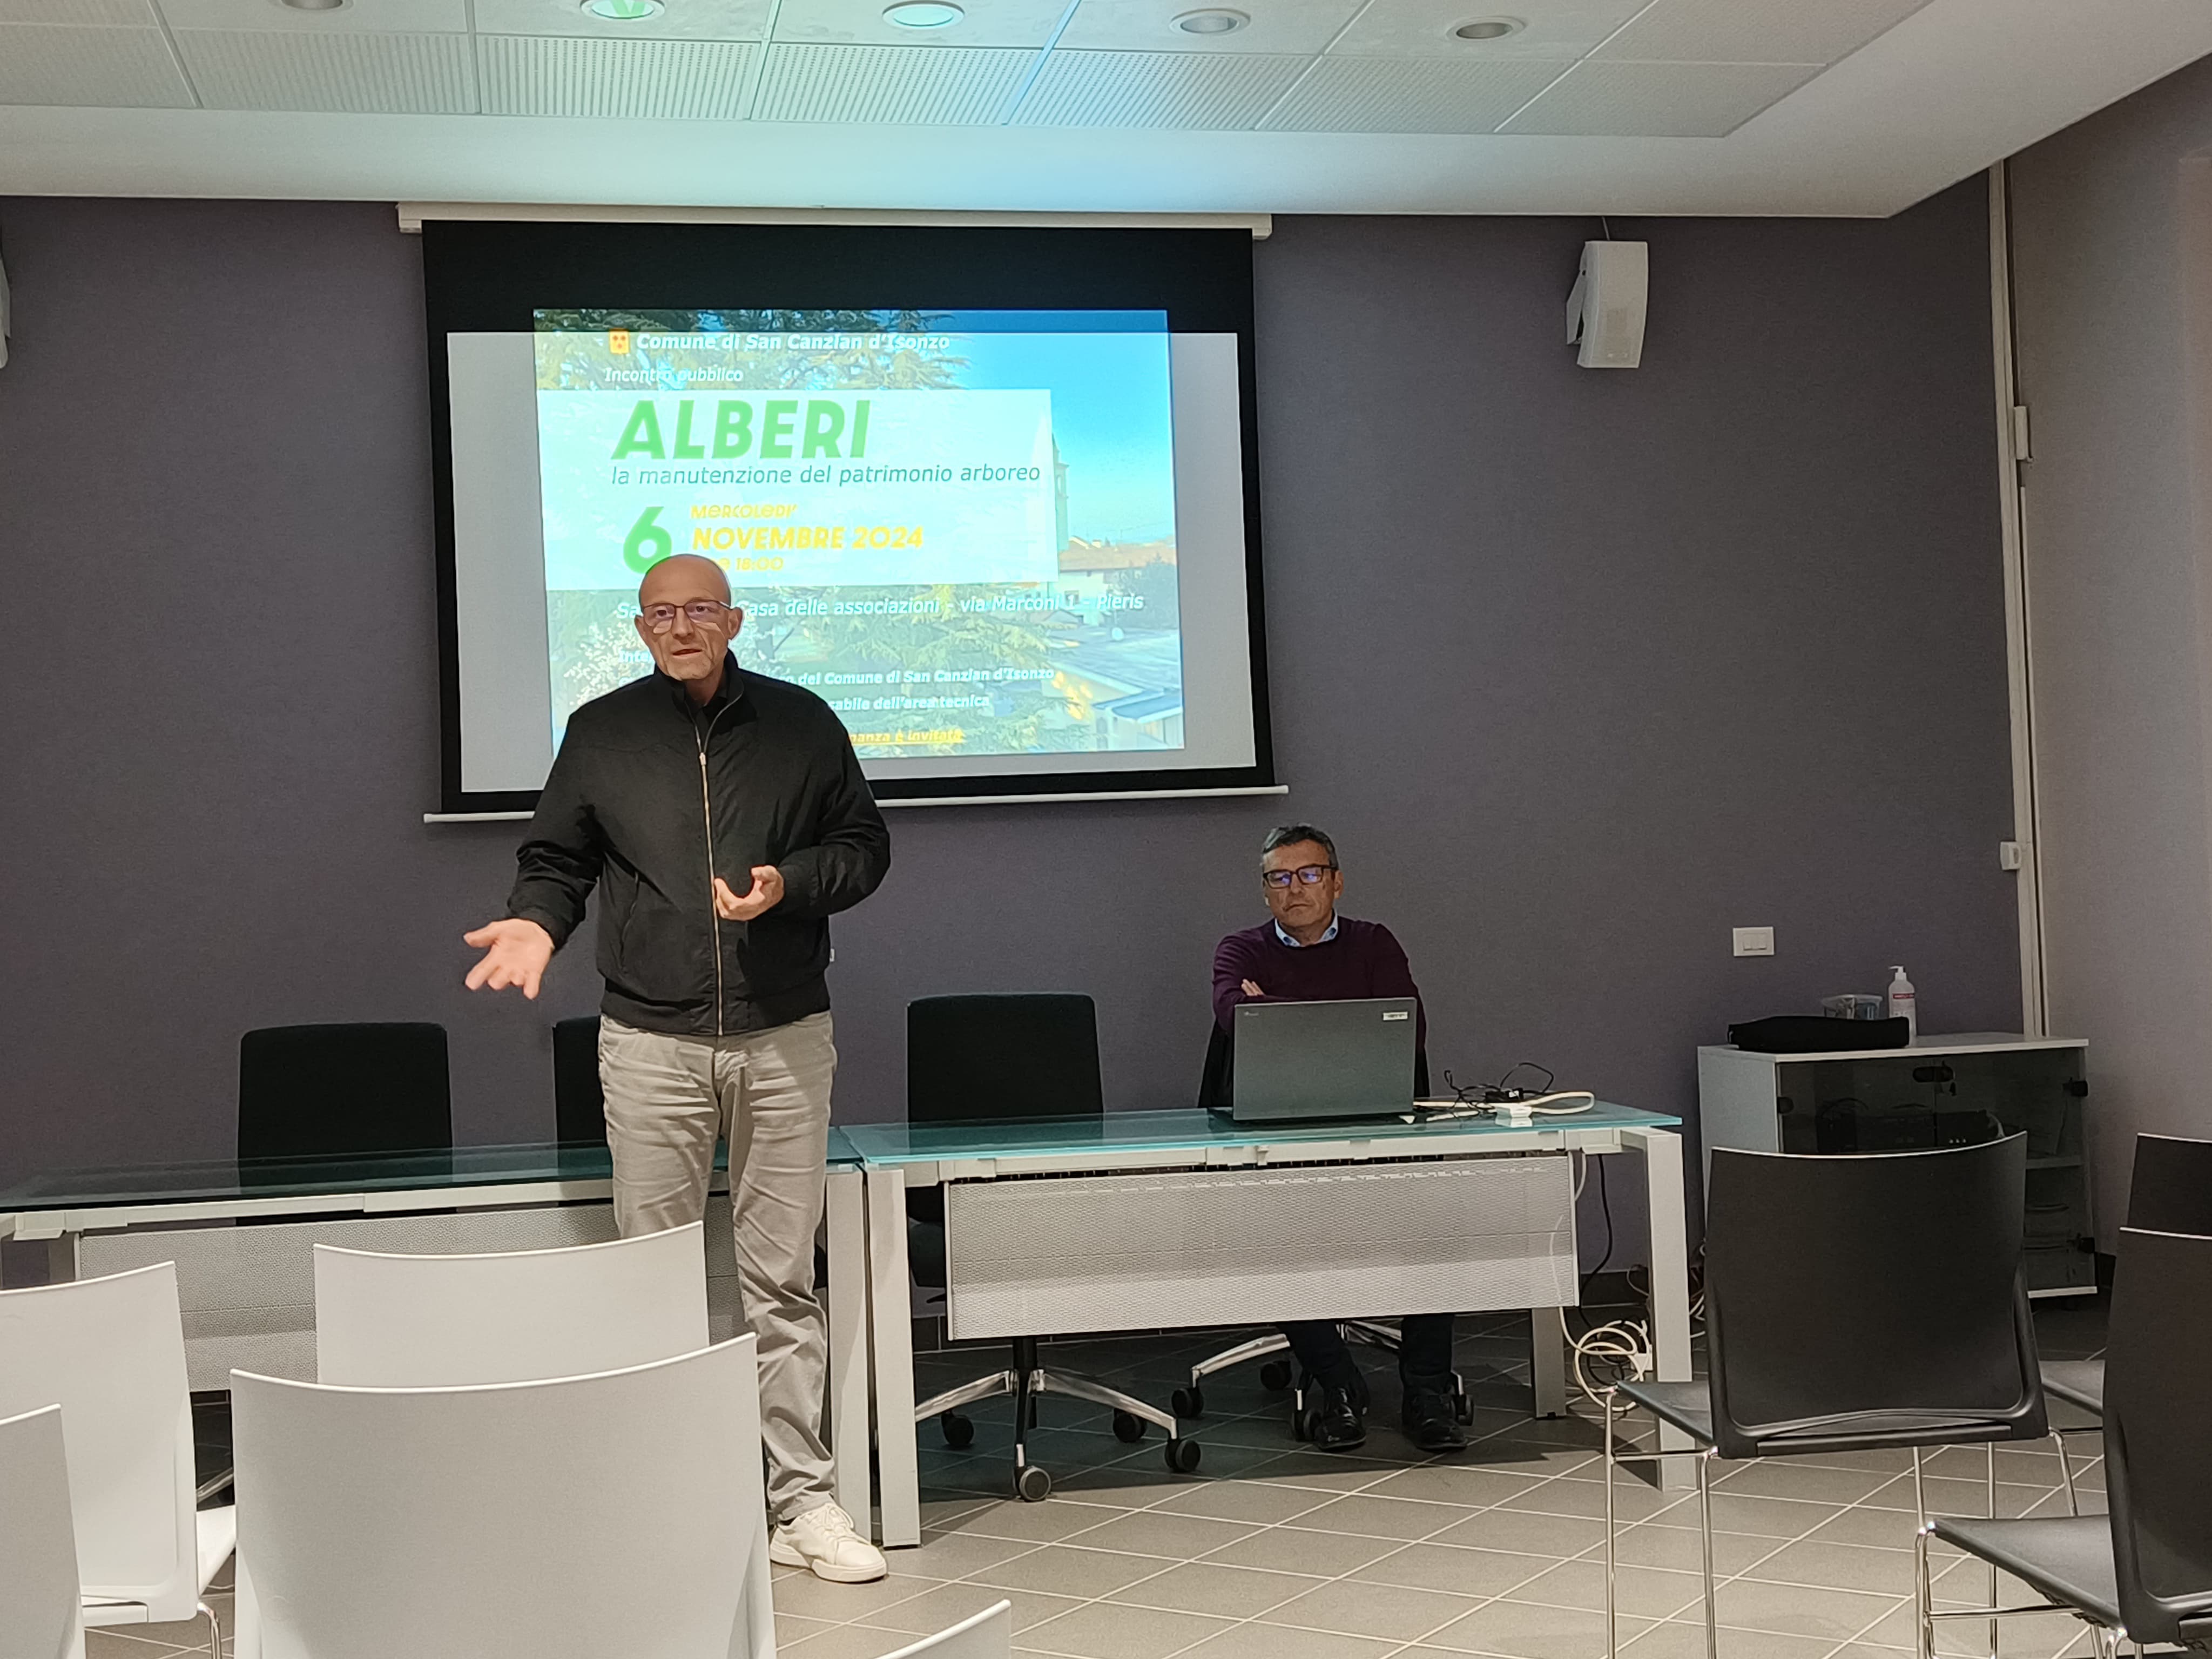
x=110, y=1352
x=398, y=1321
x=986, y=1635
x=41, y=1616
x=620, y=1513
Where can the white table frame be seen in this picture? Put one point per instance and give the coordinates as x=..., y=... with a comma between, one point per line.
x=846, y=1308
x=890, y=1302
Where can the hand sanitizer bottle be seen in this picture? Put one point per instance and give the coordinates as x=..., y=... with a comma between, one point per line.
x=1903, y=1005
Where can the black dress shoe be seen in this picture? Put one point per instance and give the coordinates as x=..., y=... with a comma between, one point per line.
x=1431, y=1423
x=1336, y=1425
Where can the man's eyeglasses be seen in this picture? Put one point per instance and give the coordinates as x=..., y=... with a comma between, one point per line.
x=703, y=613
x=1306, y=875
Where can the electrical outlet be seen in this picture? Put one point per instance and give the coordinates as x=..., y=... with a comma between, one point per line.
x=1754, y=941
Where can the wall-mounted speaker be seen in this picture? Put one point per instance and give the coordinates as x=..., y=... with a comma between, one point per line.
x=1605, y=308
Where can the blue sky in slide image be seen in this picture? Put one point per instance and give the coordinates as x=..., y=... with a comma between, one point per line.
x=1111, y=416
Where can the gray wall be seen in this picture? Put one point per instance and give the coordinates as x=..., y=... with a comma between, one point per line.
x=1583, y=669
x=2112, y=249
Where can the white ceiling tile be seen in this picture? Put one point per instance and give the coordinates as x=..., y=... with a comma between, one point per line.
x=687, y=19
x=1658, y=100
x=860, y=23
x=1384, y=94
x=1199, y=91
x=651, y=80
x=360, y=17
x=84, y=13
x=351, y=73
x=1283, y=26
x=891, y=86
x=1550, y=29
x=102, y=68
x=1755, y=31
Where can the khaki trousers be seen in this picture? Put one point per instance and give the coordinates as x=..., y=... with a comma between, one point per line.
x=669, y=1100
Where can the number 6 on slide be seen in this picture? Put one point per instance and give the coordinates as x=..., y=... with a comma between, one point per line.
x=648, y=543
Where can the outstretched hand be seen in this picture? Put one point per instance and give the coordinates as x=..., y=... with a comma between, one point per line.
x=515, y=952
x=767, y=893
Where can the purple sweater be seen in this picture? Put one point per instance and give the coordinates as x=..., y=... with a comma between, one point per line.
x=1363, y=960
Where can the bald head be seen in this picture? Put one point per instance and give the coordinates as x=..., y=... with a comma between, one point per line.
x=685, y=619
x=683, y=576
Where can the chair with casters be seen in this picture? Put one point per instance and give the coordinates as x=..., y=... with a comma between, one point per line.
x=572, y=1518
x=1002, y=1056
x=400, y=1322
x=579, y=1105
x=110, y=1352
x=2170, y=1191
x=986, y=1635
x=41, y=1607
x=1873, y=1301
x=2142, y=1572
x=308, y=1092
x=1214, y=1091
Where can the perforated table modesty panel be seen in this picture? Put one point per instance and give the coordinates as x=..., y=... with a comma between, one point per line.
x=1078, y=1253
x=1134, y=1220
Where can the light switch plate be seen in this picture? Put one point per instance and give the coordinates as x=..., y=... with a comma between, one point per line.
x=1754, y=941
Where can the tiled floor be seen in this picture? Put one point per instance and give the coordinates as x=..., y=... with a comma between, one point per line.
x=1275, y=1551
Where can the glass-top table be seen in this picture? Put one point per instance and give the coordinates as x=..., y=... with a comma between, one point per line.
x=1190, y=1129
x=217, y=1180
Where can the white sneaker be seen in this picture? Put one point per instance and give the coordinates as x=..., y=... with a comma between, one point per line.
x=826, y=1543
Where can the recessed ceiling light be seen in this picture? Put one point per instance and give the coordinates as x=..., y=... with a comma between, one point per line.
x=624, y=11
x=1213, y=21
x=923, y=14
x=314, y=5
x=1490, y=29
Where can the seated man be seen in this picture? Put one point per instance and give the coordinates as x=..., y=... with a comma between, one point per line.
x=1307, y=953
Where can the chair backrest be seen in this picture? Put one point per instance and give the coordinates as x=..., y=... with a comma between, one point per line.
x=2171, y=1191
x=986, y=1635
x=407, y=1321
x=1028, y=1054
x=1868, y=1298
x=620, y=1513
x=580, y=1103
x=317, y=1091
x=41, y=1615
x=2158, y=1445
x=110, y=1352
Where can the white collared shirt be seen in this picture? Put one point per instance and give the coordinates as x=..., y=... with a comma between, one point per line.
x=1294, y=945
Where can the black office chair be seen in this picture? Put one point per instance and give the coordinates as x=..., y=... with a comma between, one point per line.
x=970, y=1058
x=2142, y=1572
x=1853, y=1303
x=1216, y=1084
x=2170, y=1191
x=308, y=1092
x=579, y=1105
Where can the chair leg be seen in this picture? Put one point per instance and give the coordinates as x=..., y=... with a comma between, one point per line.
x=1705, y=1537
x=1924, y=1593
x=2066, y=1473
x=1612, y=1619
x=214, y=1631
x=1989, y=1475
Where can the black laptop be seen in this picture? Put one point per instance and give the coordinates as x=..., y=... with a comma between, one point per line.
x=1296, y=1062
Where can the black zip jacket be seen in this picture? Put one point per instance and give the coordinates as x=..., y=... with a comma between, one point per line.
x=652, y=797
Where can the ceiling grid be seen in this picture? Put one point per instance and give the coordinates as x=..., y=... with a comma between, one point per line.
x=1622, y=106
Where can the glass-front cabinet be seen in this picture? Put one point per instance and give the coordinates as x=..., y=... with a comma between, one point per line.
x=1941, y=1092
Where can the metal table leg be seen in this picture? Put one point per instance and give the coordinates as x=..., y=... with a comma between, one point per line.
x=848, y=1342
x=891, y=1308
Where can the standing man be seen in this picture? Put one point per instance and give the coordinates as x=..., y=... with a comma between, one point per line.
x=724, y=818
x=1307, y=953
